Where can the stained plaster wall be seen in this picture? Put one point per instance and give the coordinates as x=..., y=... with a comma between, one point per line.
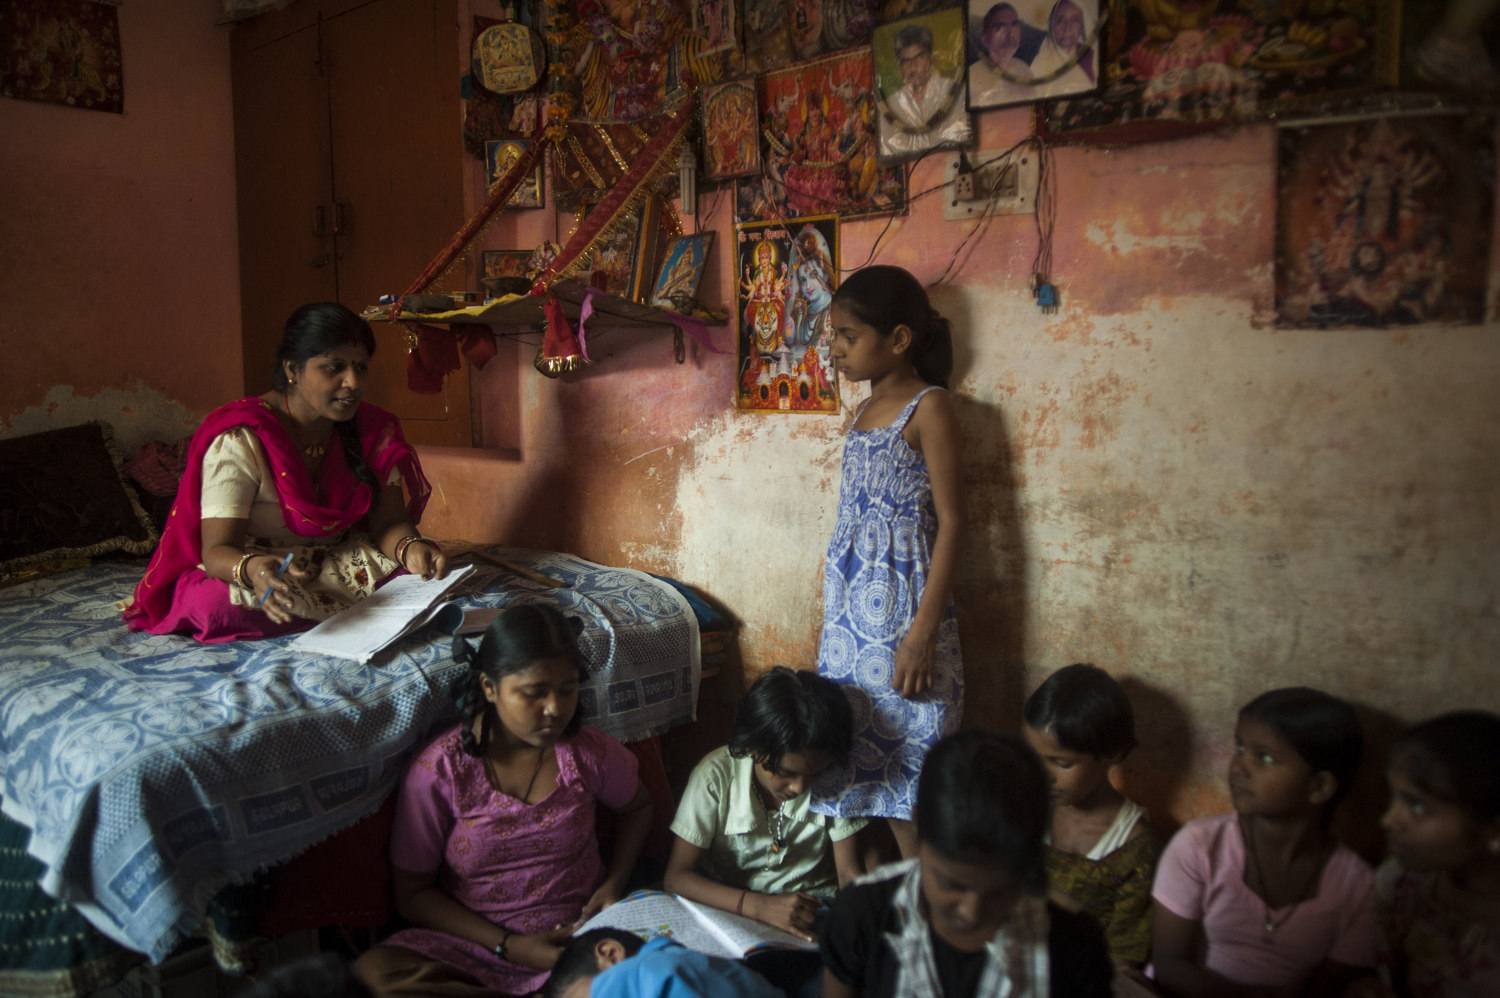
x=119, y=267
x=1160, y=481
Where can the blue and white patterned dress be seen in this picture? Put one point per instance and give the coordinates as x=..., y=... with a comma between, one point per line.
x=876, y=573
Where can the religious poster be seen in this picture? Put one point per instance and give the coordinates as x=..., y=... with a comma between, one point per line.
x=920, y=72
x=681, y=271
x=787, y=272
x=780, y=32
x=1170, y=68
x=1384, y=222
x=1026, y=50
x=500, y=156
x=62, y=52
x=503, y=270
x=731, y=143
x=818, y=144
x=713, y=21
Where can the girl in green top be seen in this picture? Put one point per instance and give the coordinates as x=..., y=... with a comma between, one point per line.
x=745, y=839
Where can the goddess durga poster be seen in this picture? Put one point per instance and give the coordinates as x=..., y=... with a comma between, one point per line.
x=818, y=144
x=787, y=274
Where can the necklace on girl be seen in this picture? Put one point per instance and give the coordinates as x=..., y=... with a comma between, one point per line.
x=494, y=774
x=1270, y=924
x=775, y=821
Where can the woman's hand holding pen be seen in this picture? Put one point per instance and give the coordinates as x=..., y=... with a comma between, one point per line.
x=273, y=592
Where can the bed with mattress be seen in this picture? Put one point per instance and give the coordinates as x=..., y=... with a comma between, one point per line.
x=148, y=772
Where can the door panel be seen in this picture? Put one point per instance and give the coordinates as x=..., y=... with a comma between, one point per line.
x=397, y=173
x=284, y=172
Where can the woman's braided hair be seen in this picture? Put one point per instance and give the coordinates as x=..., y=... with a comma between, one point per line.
x=516, y=640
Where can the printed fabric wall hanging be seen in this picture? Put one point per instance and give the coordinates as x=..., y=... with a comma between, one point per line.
x=919, y=85
x=818, y=145
x=1384, y=222
x=1172, y=69
x=62, y=52
x=788, y=271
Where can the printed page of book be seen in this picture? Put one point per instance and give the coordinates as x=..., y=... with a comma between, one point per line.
x=650, y=914
x=744, y=935
x=361, y=631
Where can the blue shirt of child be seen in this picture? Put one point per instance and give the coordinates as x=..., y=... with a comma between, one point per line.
x=664, y=969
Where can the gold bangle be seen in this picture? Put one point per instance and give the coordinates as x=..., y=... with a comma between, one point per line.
x=399, y=552
x=239, y=571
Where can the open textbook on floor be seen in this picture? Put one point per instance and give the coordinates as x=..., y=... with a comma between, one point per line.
x=649, y=914
x=396, y=608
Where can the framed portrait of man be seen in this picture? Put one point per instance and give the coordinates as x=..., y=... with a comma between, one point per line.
x=1027, y=50
x=920, y=84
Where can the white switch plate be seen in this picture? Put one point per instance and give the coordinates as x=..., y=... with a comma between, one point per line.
x=1019, y=199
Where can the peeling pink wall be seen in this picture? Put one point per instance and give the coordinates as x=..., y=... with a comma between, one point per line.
x=119, y=269
x=1160, y=481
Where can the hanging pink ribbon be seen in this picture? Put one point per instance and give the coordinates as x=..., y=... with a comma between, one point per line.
x=696, y=328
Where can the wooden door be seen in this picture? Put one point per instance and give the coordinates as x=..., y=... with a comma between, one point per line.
x=397, y=147
x=350, y=170
x=284, y=172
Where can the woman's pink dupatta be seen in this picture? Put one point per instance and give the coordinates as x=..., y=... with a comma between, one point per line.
x=343, y=501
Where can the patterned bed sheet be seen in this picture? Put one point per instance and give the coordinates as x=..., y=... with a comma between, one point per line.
x=152, y=770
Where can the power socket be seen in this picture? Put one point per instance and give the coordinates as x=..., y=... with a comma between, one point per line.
x=963, y=186
x=1007, y=186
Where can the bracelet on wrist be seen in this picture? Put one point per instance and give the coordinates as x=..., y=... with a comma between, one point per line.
x=739, y=909
x=239, y=571
x=399, y=551
x=499, y=948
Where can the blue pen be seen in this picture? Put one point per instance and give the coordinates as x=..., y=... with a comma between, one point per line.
x=280, y=571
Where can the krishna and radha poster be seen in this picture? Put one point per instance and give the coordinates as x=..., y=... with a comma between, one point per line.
x=787, y=272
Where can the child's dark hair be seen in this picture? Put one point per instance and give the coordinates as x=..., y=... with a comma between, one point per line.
x=316, y=975
x=886, y=297
x=315, y=329
x=577, y=958
x=984, y=798
x=515, y=641
x=1086, y=711
x=1323, y=729
x=1456, y=758
x=792, y=710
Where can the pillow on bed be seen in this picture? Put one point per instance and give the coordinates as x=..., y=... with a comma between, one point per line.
x=63, y=495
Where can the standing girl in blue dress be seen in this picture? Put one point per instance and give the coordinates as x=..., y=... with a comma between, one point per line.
x=889, y=634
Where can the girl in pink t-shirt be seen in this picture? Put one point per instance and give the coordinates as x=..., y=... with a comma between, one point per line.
x=1265, y=902
x=493, y=852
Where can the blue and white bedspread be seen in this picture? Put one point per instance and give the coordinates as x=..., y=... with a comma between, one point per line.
x=152, y=770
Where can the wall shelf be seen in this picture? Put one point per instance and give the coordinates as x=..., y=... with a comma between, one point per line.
x=523, y=313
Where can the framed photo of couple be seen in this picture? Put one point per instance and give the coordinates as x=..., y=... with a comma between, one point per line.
x=1030, y=50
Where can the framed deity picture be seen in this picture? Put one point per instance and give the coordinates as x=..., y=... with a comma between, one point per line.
x=920, y=84
x=818, y=129
x=1026, y=50
x=681, y=271
x=1384, y=222
x=787, y=271
x=731, y=147
x=499, y=156
x=500, y=265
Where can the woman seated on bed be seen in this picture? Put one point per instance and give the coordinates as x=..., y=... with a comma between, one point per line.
x=306, y=470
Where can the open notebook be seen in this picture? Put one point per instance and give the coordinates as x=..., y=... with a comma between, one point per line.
x=649, y=914
x=400, y=606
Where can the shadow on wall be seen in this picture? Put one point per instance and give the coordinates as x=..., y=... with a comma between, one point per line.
x=1357, y=823
x=1154, y=773
x=991, y=588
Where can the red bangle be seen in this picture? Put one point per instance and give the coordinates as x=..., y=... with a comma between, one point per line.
x=739, y=909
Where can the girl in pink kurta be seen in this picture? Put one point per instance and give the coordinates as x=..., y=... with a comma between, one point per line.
x=493, y=850
x=1264, y=901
